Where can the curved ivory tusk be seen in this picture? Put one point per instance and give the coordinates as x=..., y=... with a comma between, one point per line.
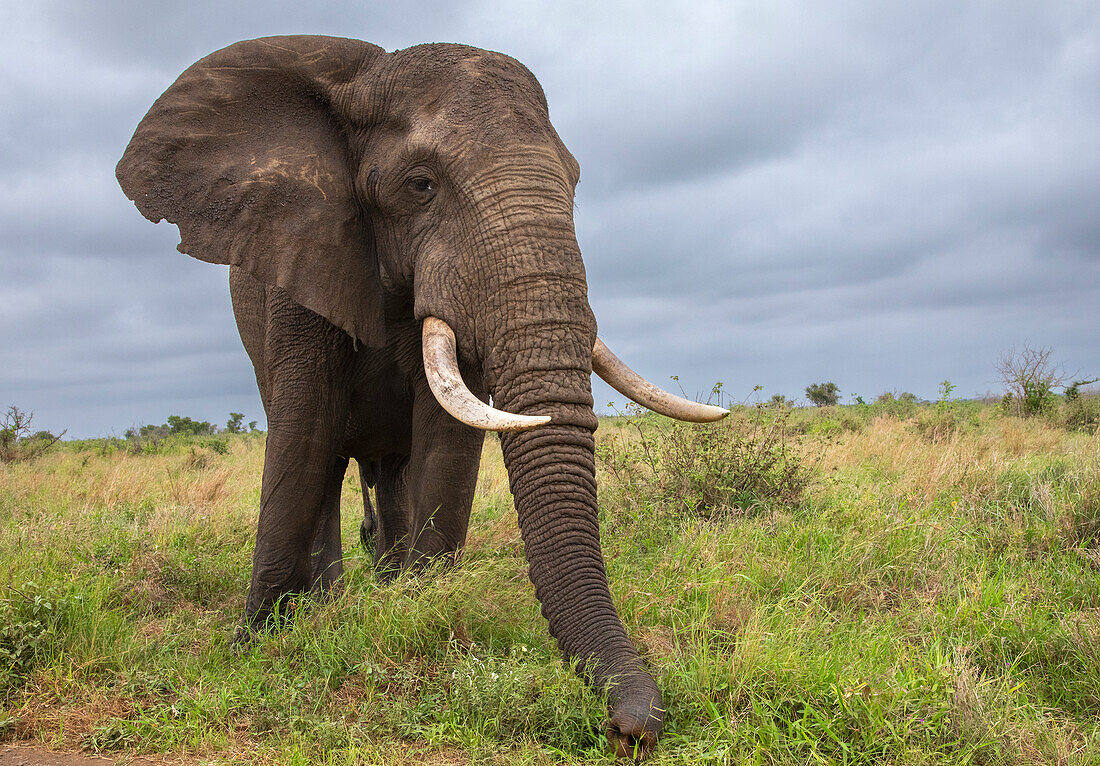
x=441, y=366
x=632, y=385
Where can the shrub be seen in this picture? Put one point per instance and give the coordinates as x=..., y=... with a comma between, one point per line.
x=828, y=422
x=735, y=466
x=936, y=424
x=217, y=446
x=947, y=417
x=901, y=406
x=17, y=442
x=1029, y=378
x=146, y=439
x=1081, y=412
x=1082, y=519
x=25, y=618
x=1073, y=390
x=823, y=394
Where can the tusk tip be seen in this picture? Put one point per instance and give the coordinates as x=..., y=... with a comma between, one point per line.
x=711, y=414
x=513, y=423
x=527, y=422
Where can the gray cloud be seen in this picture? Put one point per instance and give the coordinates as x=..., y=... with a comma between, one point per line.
x=772, y=193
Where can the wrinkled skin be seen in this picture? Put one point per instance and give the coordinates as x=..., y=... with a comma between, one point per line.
x=353, y=193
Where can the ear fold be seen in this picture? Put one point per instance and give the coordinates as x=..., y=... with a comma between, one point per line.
x=247, y=152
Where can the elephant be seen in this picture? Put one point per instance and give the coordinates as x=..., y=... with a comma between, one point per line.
x=405, y=276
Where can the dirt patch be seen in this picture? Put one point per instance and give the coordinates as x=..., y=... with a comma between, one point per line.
x=34, y=755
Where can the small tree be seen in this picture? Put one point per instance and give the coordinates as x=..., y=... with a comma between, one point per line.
x=18, y=441
x=823, y=394
x=233, y=425
x=188, y=427
x=1029, y=377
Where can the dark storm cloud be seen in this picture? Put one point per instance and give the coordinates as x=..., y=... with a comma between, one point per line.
x=772, y=193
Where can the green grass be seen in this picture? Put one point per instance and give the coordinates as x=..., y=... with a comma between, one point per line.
x=933, y=598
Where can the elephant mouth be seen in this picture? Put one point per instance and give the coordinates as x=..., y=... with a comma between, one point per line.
x=445, y=380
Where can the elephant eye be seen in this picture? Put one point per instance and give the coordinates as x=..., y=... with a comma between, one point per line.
x=422, y=185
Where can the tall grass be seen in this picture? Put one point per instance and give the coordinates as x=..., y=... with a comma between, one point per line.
x=922, y=600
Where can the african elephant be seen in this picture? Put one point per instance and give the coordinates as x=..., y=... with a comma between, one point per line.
x=399, y=231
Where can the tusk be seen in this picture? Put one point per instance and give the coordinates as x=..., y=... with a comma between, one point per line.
x=633, y=386
x=441, y=366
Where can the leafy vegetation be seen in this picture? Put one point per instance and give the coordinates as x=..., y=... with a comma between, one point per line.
x=920, y=600
x=1030, y=377
x=823, y=394
x=233, y=425
x=739, y=465
x=18, y=440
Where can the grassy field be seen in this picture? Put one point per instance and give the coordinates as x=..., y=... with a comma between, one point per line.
x=926, y=589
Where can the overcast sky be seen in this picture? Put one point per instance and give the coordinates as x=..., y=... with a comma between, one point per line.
x=884, y=195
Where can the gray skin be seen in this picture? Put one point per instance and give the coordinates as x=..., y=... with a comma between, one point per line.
x=354, y=192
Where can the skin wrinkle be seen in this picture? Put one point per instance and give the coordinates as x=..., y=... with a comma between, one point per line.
x=574, y=496
x=576, y=570
x=544, y=459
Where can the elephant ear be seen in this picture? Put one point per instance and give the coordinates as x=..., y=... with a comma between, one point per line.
x=247, y=152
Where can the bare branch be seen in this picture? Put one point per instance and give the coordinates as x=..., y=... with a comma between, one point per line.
x=1030, y=377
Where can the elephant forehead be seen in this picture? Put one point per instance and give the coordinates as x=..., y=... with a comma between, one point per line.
x=490, y=96
x=461, y=129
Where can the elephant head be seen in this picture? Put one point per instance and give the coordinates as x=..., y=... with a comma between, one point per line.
x=430, y=183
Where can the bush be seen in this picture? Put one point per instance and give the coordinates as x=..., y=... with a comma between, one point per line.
x=217, y=446
x=146, y=439
x=25, y=618
x=1073, y=390
x=738, y=465
x=937, y=424
x=901, y=406
x=1029, y=378
x=946, y=417
x=17, y=442
x=1080, y=409
x=1082, y=519
x=1081, y=412
x=829, y=422
x=823, y=394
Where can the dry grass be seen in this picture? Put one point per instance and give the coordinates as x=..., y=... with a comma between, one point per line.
x=929, y=601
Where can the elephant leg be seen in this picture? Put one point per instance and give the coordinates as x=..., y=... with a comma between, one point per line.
x=309, y=375
x=327, y=557
x=391, y=534
x=442, y=477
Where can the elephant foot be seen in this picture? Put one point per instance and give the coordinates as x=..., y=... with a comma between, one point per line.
x=387, y=571
x=243, y=638
x=262, y=620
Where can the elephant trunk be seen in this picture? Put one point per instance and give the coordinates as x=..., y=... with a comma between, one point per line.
x=551, y=471
x=532, y=330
